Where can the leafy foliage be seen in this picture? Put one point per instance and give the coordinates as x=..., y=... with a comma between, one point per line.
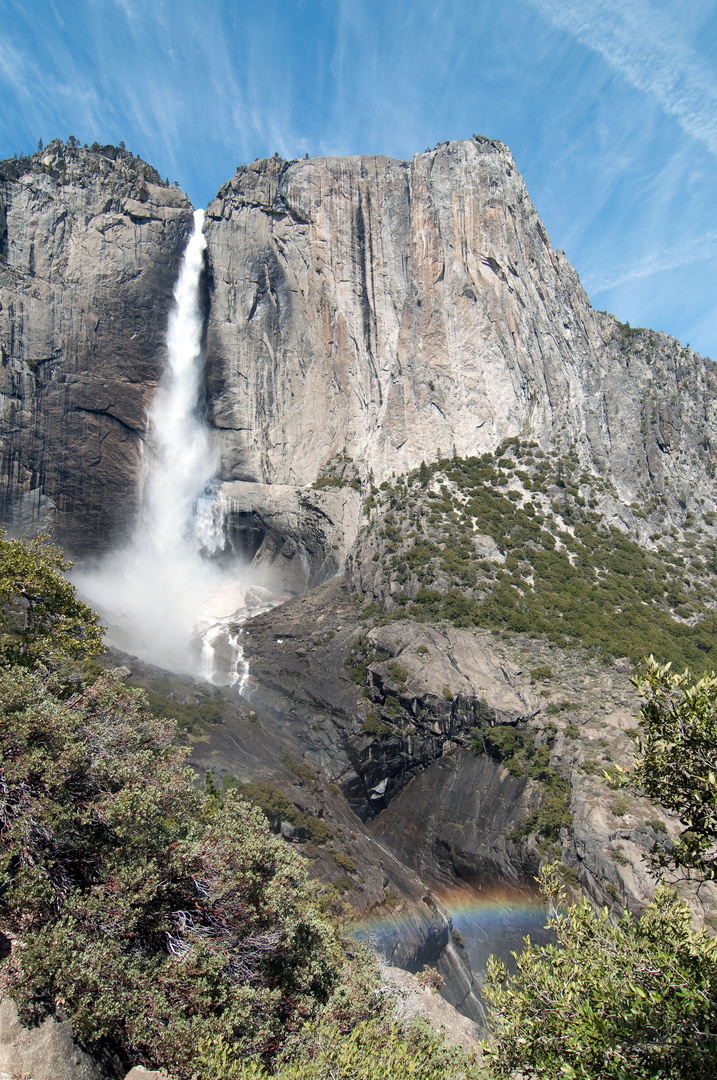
x=153, y=915
x=678, y=763
x=376, y=1049
x=41, y=619
x=634, y=999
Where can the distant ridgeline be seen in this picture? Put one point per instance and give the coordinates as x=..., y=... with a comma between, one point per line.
x=512, y=542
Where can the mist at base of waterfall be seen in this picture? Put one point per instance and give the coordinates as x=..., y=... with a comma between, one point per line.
x=161, y=598
x=158, y=607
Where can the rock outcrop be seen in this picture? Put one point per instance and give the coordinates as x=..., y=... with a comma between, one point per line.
x=49, y=1051
x=295, y=538
x=90, y=247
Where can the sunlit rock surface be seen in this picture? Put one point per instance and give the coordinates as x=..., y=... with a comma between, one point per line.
x=399, y=311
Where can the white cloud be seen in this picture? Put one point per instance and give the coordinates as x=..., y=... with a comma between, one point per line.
x=650, y=50
x=704, y=247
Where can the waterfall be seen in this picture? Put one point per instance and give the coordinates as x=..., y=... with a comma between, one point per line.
x=185, y=460
x=160, y=597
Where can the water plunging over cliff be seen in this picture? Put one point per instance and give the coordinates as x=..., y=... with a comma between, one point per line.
x=184, y=461
x=161, y=596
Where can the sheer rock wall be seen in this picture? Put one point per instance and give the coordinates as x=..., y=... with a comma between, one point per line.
x=90, y=247
x=400, y=310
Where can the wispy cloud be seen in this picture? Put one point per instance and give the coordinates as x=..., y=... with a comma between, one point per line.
x=705, y=247
x=650, y=50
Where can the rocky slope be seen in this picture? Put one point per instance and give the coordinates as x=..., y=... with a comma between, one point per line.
x=381, y=740
x=90, y=246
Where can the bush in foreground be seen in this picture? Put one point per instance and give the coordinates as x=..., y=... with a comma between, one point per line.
x=376, y=1049
x=41, y=619
x=678, y=760
x=149, y=914
x=632, y=999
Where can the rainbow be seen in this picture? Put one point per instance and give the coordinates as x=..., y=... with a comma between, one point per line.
x=488, y=919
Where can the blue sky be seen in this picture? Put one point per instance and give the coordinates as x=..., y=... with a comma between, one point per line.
x=609, y=107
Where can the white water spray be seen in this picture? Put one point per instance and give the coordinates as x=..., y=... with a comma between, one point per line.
x=185, y=459
x=159, y=593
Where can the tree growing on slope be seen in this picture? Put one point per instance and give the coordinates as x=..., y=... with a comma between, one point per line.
x=41, y=619
x=636, y=998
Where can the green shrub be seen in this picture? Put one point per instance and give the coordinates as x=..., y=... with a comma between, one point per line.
x=392, y=706
x=358, y=673
x=636, y=998
x=303, y=772
x=149, y=912
x=378, y=1049
x=397, y=673
x=611, y=597
x=277, y=807
x=374, y=725
x=569, y=876
x=41, y=619
x=190, y=716
x=344, y=862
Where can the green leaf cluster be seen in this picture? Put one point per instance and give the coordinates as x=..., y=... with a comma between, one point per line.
x=375, y=1049
x=678, y=760
x=634, y=999
x=41, y=619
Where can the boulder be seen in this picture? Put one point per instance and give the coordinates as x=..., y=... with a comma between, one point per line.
x=48, y=1051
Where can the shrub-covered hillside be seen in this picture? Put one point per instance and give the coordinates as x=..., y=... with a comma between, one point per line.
x=514, y=542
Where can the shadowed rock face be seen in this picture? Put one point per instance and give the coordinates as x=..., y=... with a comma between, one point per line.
x=90, y=246
x=295, y=538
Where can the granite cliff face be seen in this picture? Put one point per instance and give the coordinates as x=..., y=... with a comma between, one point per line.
x=357, y=308
x=396, y=311
x=90, y=246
